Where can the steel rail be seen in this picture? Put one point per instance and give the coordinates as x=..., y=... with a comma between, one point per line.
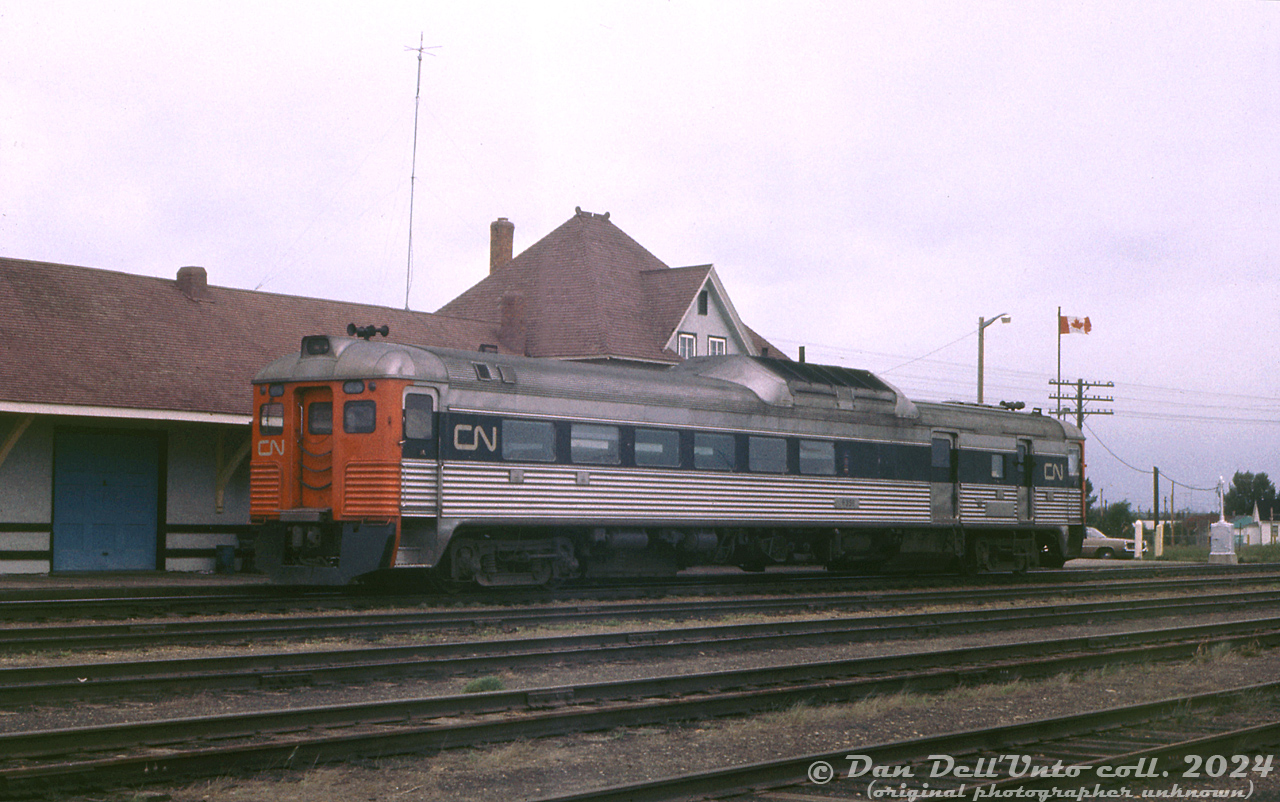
x=370, y=625
x=396, y=726
x=29, y=684
x=24, y=604
x=773, y=778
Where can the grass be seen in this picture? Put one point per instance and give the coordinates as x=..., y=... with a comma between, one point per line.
x=484, y=684
x=1245, y=554
x=1190, y=554
x=1217, y=653
x=1259, y=554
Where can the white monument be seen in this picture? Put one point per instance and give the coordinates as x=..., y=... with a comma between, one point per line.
x=1222, y=537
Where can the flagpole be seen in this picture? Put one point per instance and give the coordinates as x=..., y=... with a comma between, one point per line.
x=1058, y=325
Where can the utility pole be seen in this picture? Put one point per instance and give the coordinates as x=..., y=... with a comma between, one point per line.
x=1080, y=399
x=1155, y=499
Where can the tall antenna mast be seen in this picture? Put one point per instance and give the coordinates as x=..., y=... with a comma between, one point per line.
x=413, y=168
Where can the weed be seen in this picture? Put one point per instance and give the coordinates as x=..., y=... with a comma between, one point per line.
x=484, y=684
x=1217, y=653
x=518, y=754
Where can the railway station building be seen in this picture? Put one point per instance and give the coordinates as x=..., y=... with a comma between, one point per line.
x=125, y=400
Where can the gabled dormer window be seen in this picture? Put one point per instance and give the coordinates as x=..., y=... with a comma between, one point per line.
x=717, y=346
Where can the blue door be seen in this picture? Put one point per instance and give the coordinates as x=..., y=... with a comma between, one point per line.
x=105, y=501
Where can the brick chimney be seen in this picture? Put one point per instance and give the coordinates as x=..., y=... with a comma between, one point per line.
x=512, y=331
x=502, y=234
x=193, y=282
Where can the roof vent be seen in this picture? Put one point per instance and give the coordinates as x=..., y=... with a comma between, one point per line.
x=193, y=282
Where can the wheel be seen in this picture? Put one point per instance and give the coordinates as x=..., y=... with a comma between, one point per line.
x=1050, y=557
x=1103, y=554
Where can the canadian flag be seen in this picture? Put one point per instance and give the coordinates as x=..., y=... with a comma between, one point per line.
x=1074, y=325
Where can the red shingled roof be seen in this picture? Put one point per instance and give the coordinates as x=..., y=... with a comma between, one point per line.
x=567, y=280
x=671, y=292
x=81, y=336
x=87, y=337
x=589, y=291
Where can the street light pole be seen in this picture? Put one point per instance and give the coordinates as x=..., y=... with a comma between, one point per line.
x=982, y=327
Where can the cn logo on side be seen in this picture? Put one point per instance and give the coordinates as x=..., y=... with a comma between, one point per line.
x=469, y=438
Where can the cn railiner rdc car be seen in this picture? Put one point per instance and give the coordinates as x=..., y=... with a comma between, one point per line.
x=504, y=470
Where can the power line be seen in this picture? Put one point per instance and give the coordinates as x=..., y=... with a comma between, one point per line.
x=931, y=353
x=1134, y=468
x=1080, y=398
x=946, y=379
x=1035, y=376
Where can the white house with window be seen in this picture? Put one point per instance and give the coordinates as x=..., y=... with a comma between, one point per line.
x=711, y=326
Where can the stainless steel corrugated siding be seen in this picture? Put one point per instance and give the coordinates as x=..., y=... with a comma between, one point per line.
x=473, y=490
x=1057, y=506
x=418, y=489
x=974, y=500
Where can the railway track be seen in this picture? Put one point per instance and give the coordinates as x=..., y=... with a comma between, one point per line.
x=106, y=603
x=134, y=752
x=1098, y=750
x=370, y=625
x=35, y=684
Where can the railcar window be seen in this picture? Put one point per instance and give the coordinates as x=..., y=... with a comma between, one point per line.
x=713, y=452
x=766, y=455
x=657, y=448
x=817, y=458
x=353, y=387
x=482, y=371
x=271, y=420
x=1073, y=462
x=997, y=466
x=320, y=418
x=359, y=417
x=593, y=444
x=528, y=441
x=941, y=452
x=276, y=390
x=417, y=416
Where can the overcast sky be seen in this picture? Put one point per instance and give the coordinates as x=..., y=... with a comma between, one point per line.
x=868, y=178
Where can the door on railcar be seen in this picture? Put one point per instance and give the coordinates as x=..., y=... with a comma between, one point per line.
x=944, y=491
x=420, y=478
x=315, y=448
x=1026, y=474
x=419, y=423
